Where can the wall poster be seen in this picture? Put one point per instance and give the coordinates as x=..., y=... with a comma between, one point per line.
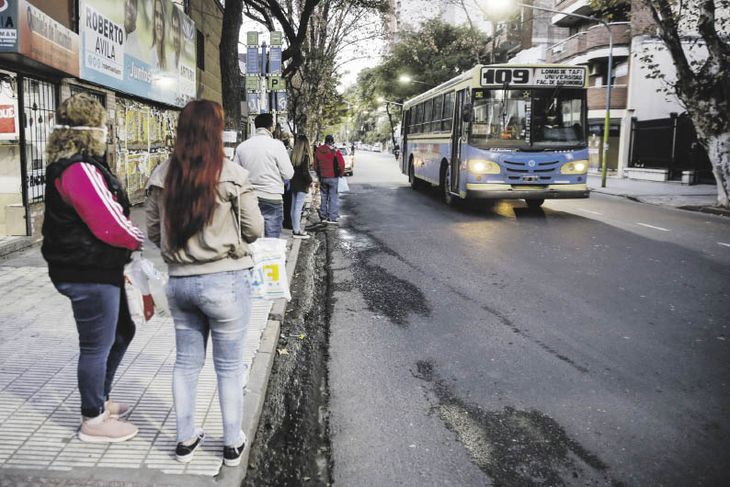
x=144, y=48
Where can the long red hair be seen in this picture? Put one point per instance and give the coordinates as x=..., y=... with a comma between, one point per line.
x=195, y=168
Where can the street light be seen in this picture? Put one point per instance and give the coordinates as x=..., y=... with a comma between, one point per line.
x=503, y=6
x=407, y=79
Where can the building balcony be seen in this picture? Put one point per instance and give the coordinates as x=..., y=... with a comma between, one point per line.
x=580, y=7
x=597, y=97
x=591, y=44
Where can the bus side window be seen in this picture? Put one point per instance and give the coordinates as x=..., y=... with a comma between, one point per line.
x=438, y=104
x=427, y=113
x=448, y=112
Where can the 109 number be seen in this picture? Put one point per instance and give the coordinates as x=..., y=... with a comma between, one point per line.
x=493, y=76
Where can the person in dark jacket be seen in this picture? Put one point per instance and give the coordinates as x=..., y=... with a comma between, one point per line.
x=329, y=165
x=87, y=240
x=300, y=183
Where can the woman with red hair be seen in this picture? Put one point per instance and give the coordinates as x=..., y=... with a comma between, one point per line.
x=202, y=213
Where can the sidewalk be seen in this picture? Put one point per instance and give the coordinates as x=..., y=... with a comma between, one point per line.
x=39, y=401
x=699, y=197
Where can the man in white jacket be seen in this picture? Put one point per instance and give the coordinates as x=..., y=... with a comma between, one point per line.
x=269, y=167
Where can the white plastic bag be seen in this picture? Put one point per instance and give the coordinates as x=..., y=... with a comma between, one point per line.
x=342, y=186
x=135, y=302
x=268, y=279
x=149, y=281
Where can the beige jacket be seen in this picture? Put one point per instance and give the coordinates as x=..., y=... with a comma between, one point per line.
x=223, y=244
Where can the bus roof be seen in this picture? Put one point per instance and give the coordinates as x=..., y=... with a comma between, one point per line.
x=472, y=78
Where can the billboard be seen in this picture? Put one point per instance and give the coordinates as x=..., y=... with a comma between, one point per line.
x=144, y=48
x=28, y=31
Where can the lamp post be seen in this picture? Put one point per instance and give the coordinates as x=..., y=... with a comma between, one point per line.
x=390, y=119
x=505, y=4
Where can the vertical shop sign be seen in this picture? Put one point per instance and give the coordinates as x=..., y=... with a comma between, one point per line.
x=8, y=26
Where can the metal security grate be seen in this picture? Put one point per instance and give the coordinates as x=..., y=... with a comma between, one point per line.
x=39, y=115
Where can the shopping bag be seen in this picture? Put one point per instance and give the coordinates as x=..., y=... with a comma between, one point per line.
x=342, y=186
x=149, y=281
x=268, y=279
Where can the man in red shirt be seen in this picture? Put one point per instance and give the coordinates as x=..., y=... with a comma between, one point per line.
x=329, y=165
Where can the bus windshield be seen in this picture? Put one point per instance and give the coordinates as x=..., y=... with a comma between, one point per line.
x=537, y=119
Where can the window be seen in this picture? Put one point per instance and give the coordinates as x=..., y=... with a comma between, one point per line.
x=448, y=116
x=438, y=105
x=419, y=118
x=427, y=112
x=200, y=49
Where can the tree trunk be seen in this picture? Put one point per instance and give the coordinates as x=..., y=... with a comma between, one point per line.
x=718, y=150
x=713, y=132
x=230, y=71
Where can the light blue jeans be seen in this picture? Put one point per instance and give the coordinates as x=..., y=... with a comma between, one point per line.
x=217, y=305
x=297, y=204
x=330, y=209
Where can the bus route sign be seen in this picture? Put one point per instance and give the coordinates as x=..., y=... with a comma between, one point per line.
x=533, y=77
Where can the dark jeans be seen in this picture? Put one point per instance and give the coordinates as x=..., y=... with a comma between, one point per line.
x=273, y=212
x=105, y=330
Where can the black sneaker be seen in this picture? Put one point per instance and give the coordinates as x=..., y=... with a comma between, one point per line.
x=232, y=454
x=184, y=453
x=300, y=235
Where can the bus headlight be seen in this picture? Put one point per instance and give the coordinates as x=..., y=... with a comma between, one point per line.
x=574, y=167
x=479, y=166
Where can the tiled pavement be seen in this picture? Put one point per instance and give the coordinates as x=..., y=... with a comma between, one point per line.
x=39, y=401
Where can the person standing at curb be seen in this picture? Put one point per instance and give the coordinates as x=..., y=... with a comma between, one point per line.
x=87, y=240
x=202, y=212
x=268, y=165
x=300, y=183
x=329, y=165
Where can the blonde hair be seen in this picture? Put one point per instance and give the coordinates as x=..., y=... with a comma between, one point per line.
x=302, y=148
x=78, y=110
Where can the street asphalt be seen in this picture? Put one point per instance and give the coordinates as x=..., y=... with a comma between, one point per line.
x=584, y=344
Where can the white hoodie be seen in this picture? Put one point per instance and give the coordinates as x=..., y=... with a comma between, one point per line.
x=267, y=163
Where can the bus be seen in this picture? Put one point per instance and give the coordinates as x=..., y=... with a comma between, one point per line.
x=502, y=131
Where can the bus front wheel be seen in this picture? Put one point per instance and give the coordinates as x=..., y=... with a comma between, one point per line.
x=446, y=195
x=534, y=204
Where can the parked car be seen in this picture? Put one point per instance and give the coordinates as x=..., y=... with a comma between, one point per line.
x=349, y=160
x=377, y=147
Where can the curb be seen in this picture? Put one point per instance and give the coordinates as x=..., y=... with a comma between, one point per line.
x=642, y=199
x=258, y=380
x=17, y=244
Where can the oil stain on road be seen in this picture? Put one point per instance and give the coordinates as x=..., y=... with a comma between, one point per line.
x=515, y=447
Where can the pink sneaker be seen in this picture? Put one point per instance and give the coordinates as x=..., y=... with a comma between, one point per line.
x=116, y=409
x=104, y=429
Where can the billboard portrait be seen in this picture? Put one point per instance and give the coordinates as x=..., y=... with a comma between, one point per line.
x=144, y=48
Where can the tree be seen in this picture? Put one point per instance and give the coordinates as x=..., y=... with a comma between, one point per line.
x=702, y=73
x=230, y=71
x=432, y=55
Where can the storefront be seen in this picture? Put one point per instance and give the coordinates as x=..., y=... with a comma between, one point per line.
x=137, y=58
x=36, y=53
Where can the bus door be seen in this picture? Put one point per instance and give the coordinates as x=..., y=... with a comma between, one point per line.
x=405, y=123
x=458, y=137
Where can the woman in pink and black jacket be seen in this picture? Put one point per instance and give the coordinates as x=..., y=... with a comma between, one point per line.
x=88, y=239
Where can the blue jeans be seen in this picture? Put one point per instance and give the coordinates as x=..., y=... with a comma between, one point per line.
x=105, y=331
x=273, y=212
x=330, y=204
x=297, y=204
x=218, y=305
